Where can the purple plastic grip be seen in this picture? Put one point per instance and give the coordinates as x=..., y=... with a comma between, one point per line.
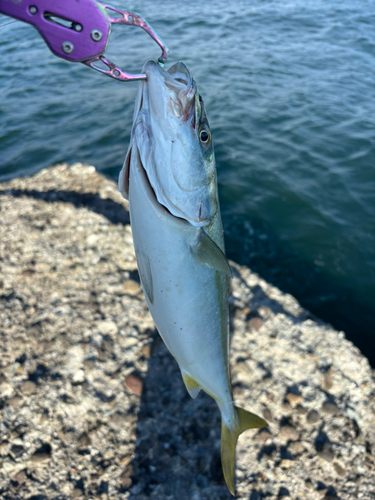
x=88, y=37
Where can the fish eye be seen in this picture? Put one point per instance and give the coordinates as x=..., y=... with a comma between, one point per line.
x=204, y=136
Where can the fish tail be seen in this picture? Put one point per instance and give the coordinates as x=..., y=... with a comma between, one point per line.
x=229, y=438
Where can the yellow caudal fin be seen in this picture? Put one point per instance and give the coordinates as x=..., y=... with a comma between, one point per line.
x=229, y=437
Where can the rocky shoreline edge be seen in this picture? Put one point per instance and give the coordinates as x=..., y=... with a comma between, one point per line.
x=92, y=405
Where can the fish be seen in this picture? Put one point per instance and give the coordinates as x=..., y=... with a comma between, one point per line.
x=169, y=178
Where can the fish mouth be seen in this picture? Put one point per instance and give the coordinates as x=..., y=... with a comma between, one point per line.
x=180, y=84
x=177, y=77
x=183, y=91
x=180, y=75
x=164, y=133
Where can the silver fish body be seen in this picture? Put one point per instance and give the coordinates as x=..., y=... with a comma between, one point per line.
x=169, y=177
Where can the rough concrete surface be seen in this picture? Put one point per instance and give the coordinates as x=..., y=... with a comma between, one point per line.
x=92, y=405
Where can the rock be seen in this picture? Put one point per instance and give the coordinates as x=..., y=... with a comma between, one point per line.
x=104, y=412
x=302, y=410
x=29, y=387
x=330, y=408
x=107, y=328
x=309, y=485
x=264, y=434
x=267, y=415
x=125, y=477
x=296, y=447
x=265, y=312
x=287, y=464
x=109, y=455
x=339, y=469
x=78, y=377
x=134, y=384
x=91, y=240
x=83, y=441
x=289, y=432
x=38, y=458
x=255, y=324
x=103, y=391
x=146, y=351
x=132, y=287
x=312, y=417
x=327, y=452
x=6, y=390
x=293, y=398
x=126, y=460
x=15, y=401
x=328, y=380
x=20, y=477
x=287, y=407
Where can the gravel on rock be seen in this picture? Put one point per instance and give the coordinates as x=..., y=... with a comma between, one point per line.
x=92, y=404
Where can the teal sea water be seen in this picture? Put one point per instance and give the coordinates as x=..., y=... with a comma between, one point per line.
x=289, y=89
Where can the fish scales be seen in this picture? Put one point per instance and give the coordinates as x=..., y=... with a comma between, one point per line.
x=169, y=178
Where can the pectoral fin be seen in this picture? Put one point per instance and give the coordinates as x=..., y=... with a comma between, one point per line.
x=206, y=252
x=191, y=385
x=144, y=268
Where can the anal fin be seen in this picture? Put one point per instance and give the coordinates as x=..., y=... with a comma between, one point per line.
x=191, y=386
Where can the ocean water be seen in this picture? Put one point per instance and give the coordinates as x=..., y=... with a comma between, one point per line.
x=289, y=89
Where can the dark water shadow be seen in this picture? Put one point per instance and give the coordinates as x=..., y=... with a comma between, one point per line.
x=324, y=295
x=113, y=211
